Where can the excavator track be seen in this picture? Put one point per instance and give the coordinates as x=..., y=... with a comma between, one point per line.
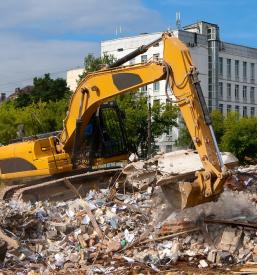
x=56, y=189
x=7, y=192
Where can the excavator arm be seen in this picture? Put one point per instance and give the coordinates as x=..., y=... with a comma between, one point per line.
x=52, y=155
x=182, y=77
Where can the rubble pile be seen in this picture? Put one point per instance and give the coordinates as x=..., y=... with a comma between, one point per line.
x=124, y=228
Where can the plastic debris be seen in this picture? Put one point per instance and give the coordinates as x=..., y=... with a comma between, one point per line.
x=138, y=232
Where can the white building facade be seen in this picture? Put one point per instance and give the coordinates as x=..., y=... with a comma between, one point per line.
x=227, y=71
x=72, y=78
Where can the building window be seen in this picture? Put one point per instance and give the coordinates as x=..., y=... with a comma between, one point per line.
x=156, y=86
x=209, y=33
x=229, y=68
x=144, y=88
x=252, y=111
x=252, y=95
x=220, y=90
x=237, y=70
x=221, y=108
x=143, y=58
x=252, y=73
x=229, y=91
x=236, y=92
x=132, y=61
x=245, y=93
x=156, y=56
x=244, y=111
x=244, y=71
x=229, y=108
x=237, y=108
x=220, y=66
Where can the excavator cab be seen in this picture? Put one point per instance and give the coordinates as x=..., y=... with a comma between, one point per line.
x=112, y=131
x=104, y=138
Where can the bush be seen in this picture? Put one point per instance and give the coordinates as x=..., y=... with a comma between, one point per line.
x=240, y=137
x=37, y=118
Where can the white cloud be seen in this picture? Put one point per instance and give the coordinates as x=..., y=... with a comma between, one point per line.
x=21, y=59
x=77, y=15
x=37, y=37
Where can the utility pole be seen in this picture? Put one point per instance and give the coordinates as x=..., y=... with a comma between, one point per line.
x=149, y=128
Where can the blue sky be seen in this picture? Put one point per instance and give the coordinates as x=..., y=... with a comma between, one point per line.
x=37, y=37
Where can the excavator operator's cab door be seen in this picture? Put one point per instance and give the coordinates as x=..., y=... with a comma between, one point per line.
x=105, y=139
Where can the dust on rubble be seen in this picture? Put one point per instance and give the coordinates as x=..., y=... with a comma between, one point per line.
x=142, y=234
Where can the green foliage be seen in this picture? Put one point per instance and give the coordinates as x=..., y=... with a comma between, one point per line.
x=234, y=134
x=136, y=110
x=93, y=63
x=164, y=118
x=44, y=89
x=240, y=136
x=218, y=124
x=41, y=110
x=8, y=117
x=23, y=100
x=37, y=118
x=184, y=139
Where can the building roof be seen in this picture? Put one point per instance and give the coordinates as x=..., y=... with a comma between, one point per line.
x=197, y=23
x=132, y=36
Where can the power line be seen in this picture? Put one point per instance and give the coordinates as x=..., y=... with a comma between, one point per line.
x=31, y=79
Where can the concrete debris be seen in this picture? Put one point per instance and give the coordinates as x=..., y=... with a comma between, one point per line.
x=131, y=230
x=186, y=161
x=230, y=239
x=212, y=256
x=133, y=157
x=203, y=264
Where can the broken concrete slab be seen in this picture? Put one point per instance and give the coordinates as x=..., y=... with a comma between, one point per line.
x=230, y=239
x=187, y=161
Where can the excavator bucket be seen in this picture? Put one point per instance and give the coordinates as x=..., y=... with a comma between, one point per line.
x=181, y=187
x=185, y=194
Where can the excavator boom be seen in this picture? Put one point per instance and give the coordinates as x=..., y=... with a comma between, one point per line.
x=181, y=76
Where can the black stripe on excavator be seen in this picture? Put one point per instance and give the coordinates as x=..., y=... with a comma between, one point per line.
x=126, y=80
x=13, y=165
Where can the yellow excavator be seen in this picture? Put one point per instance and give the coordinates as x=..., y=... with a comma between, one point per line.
x=93, y=132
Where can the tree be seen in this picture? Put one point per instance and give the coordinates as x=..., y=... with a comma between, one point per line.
x=44, y=89
x=37, y=118
x=240, y=136
x=92, y=63
x=218, y=124
x=135, y=108
x=8, y=117
x=164, y=118
x=185, y=140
